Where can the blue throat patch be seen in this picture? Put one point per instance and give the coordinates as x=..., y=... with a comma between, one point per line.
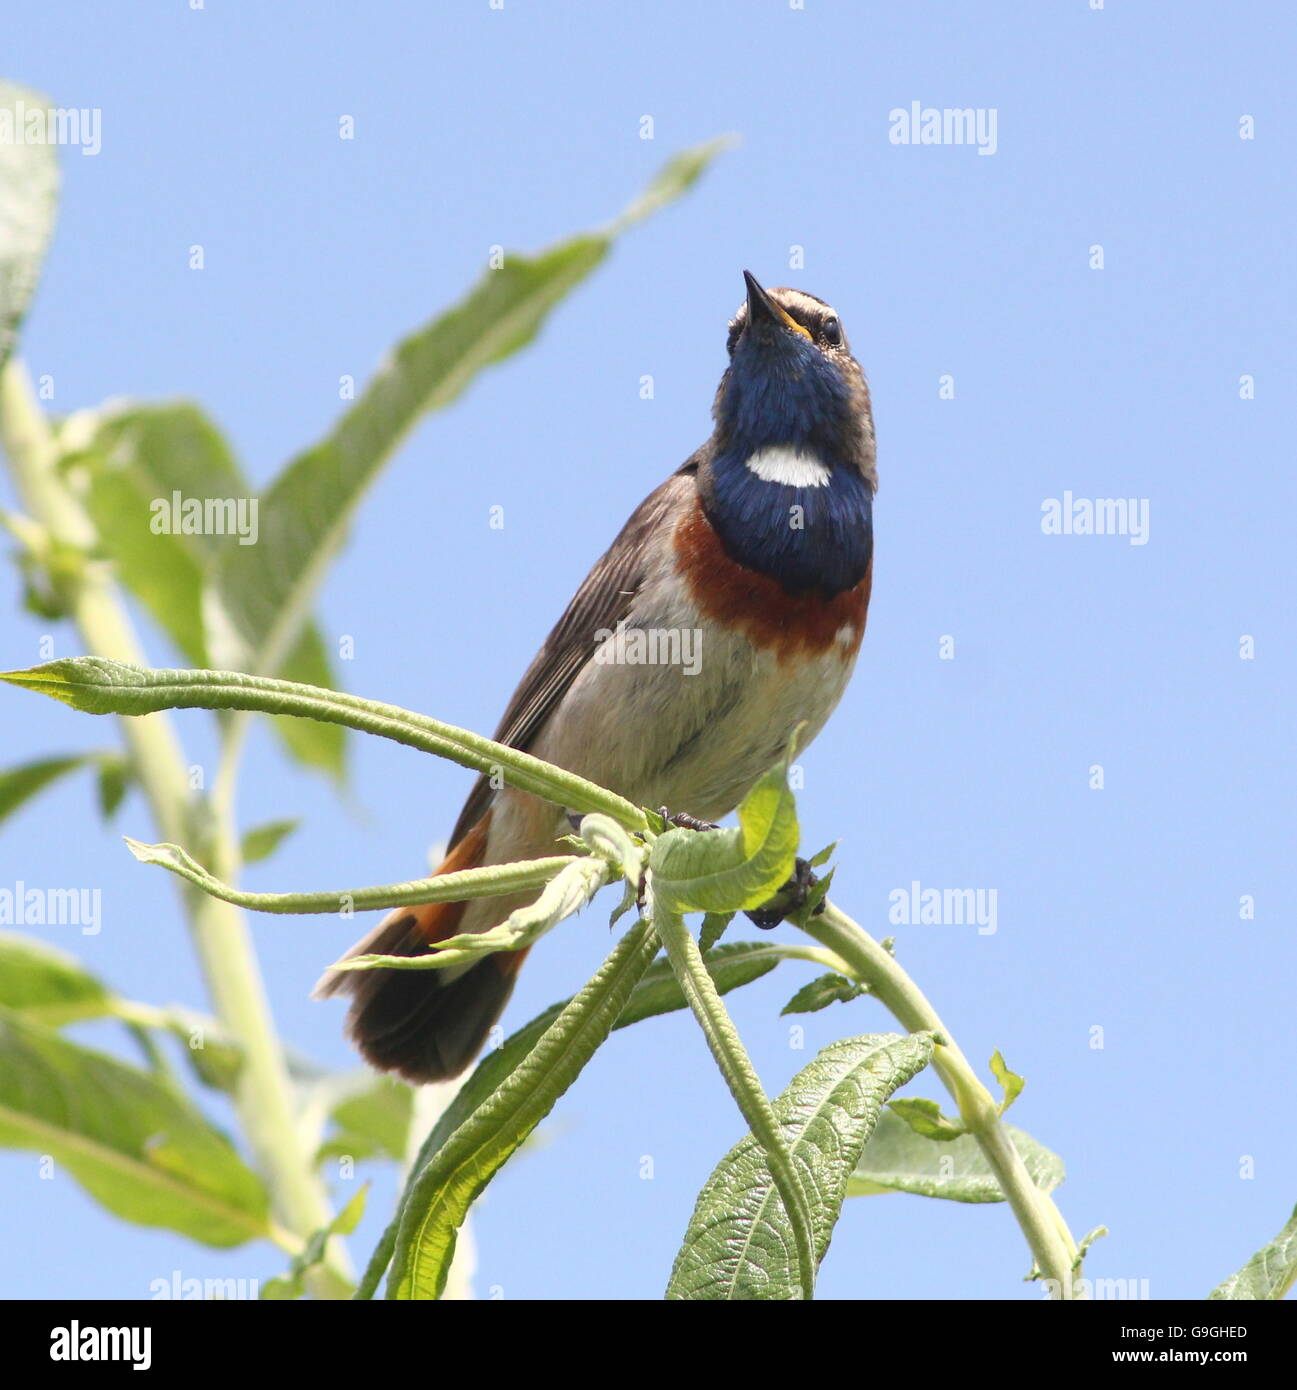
x=806, y=538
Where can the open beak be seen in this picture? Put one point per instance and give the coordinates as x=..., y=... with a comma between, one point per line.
x=763, y=310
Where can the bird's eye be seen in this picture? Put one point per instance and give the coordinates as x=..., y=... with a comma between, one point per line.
x=831, y=331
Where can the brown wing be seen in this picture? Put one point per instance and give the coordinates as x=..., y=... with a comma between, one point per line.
x=601, y=602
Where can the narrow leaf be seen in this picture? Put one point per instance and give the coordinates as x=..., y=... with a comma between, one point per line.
x=111, y=782
x=739, y=1244
x=657, y=992
x=457, y=887
x=712, y=929
x=372, y=1122
x=149, y=470
x=21, y=783
x=1010, y=1082
x=731, y=1057
x=820, y=993
x=134, y=1145
x=208, y=1050
x=46, y=984
x=99, y=686
x=293, y=1284
x=896, y=1159
x=817, y=861
x=1269, y=1274
x=263, y=840
x=459, y=1169
x=29, y=185
x=563, y=896
x=730, y=964
x=925, y=1117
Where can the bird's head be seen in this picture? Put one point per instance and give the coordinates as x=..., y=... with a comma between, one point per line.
x=793, y=383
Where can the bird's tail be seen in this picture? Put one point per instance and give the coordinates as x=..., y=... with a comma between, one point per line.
x=428, y=1025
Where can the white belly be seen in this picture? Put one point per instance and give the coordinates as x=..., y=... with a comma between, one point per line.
x=662, y=736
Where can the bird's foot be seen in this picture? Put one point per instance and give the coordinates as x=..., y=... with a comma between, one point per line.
x=685, y=822
x=788, y=899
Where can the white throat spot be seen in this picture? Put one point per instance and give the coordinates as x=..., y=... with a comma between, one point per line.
x=791, y=467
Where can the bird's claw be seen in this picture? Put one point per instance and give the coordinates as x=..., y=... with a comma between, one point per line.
x=788, y=899
x=685, y=822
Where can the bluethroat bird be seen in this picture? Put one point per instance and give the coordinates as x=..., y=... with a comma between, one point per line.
x=758, y=552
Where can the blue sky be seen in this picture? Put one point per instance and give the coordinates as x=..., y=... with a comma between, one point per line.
x=1118, y=909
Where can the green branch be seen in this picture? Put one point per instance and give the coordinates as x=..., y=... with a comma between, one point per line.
x=263, y=1095
x=741, y=1077
x=98, y=686
x=1047, y=1234
x=496, y=880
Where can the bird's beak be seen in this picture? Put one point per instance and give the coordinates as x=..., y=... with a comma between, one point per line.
x=763, y=310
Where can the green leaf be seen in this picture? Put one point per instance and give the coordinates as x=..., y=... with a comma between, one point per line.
x=1083, y=1245
x=266, y=589
x=99, y=686
x=293, y=1284
x=263, y=840
x=131, y=1141
x=371, y=1122
x=731, y=1057
x=730, y=964
x=53, y=988
x=46, y=984
x=563, y=896
x=21, y=783
x=137, y=459
x=628, y=897
x=820, y=993
x=29, y=186
x=924, y=1117
x=712, y=929
x=1269, y=1274
x=458, y=1169
x=1010, y=1082
x=815, y=898
x=734, y=869
x=739, y=1244
x=213, y=1057
x=657, y=992
x=817, y=861
x=896, y=1159
x=490, y=881
x=111, y=782
x=321, y=746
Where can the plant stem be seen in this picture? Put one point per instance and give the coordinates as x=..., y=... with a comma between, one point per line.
x=741, y=1077
x=263, y=1095
x=1043, y=1225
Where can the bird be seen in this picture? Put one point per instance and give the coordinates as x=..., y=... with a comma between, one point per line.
x=757, y=555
